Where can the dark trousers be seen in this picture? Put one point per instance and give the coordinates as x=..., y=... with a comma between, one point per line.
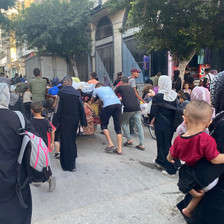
x=27, y=110
x=114, y=111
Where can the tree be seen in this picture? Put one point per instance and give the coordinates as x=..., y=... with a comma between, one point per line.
x=5, y=24
x=57, y=26
x=183, y=27
x=5, y=5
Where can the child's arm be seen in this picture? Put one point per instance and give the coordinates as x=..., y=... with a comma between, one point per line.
x=52, y=139
x=218, y=159
x=170, y=158
x=197, y=194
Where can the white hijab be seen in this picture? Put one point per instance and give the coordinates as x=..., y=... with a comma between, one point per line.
x=165, y=87
x=4, y=95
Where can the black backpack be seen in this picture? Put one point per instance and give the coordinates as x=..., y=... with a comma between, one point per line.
x=178, y=119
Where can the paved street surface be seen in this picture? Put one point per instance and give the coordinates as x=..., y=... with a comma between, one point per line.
x=108, y=188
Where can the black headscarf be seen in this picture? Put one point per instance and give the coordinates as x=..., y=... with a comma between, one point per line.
x=217, y=92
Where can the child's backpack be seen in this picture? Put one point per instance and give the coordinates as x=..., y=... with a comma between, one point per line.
x=35, y=155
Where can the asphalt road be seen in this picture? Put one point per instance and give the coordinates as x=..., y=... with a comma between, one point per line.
x=109, y=188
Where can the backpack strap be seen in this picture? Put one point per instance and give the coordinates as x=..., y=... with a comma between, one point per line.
x=21, y=118
x=19, y=185
x=21, y=131
x=166, y=105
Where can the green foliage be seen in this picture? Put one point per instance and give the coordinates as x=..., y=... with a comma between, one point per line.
x=182, y=26
x=5, y=4
x=56, y=26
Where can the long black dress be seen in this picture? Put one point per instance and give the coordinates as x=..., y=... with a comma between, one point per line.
x=11, y=211
x=164, y=118
x=69, y=113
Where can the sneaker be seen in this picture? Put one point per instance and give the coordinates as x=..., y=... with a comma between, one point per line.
x=157, y=165
x=57, y=155
x=52, y=183
x=167, y=174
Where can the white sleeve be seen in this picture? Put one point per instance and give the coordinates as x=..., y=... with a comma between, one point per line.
x=94, y=93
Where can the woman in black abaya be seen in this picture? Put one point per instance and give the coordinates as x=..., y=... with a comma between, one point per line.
x=69, y=112
x=211, y=208
x=11, y=211
x=164, y=118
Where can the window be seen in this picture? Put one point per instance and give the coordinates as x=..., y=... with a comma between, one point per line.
x=104, y=29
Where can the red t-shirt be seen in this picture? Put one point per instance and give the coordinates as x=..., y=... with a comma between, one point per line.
x=193, y=148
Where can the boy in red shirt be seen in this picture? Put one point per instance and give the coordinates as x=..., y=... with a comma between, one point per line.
x=196, y=144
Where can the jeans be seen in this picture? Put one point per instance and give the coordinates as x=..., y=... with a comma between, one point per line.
x=136, y=116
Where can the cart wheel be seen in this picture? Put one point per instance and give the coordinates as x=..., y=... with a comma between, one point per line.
x=152, y=132
x=144, y=121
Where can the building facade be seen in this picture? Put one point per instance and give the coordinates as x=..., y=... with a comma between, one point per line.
x=113, y=51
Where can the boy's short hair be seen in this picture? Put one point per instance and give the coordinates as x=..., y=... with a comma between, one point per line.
x=94, y=75
x=183, y=96
x=187, y=96
x=36, y=107
x=99, y=84
x=180, y=92
x=125, y=79
x=198, y=111
x=36, y=72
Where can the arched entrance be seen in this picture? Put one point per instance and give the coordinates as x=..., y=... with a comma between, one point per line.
x=104, y=49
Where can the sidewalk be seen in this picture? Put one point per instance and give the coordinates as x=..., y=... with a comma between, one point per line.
x=108, y=188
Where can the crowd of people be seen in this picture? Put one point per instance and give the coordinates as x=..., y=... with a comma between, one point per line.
x=164, y=100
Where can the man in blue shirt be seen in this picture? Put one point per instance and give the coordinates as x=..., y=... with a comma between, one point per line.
x=111, y=107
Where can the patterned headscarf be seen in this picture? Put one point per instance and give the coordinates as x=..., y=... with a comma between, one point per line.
x=165, y=87
x=200, y=93
x=214, y=72
x=4, y=95
x=217, y=92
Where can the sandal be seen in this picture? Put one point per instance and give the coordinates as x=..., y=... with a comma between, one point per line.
x=115, y=151
x=128, y=143
x=140, y=148
x=109, y=149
